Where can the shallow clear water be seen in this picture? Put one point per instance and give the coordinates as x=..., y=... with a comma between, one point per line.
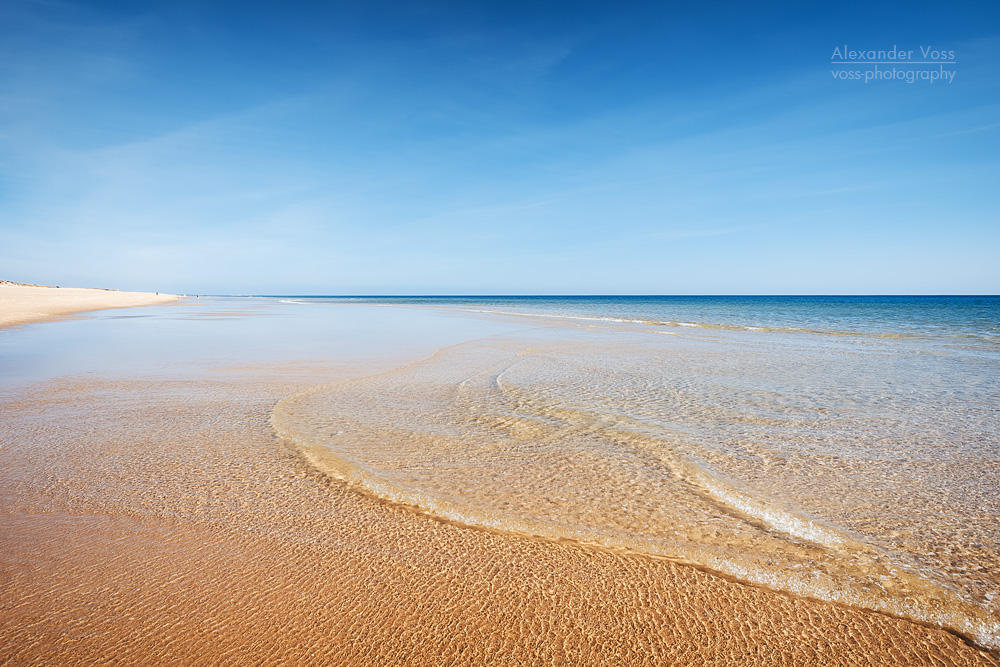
x=841, y=448
x=219, y=334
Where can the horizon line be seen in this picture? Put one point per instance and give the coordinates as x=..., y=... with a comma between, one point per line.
x=604, y=295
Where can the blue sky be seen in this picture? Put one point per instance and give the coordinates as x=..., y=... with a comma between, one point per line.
x=496, y=148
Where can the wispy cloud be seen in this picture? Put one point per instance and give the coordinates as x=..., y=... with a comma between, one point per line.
x=449, y=143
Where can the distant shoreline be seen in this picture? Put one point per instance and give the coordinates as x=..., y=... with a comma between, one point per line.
x=22, y=303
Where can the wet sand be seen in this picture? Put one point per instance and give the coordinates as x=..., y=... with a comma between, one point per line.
x=20, y=304
x=163, y=522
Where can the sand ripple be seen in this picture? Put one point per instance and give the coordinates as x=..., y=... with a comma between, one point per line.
x=163, y=523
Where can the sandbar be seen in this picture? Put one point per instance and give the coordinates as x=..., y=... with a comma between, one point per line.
x=21, y=304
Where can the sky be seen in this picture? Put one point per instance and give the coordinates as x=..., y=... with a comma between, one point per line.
x=499, y=147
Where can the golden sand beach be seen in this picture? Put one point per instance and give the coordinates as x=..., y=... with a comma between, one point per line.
x=21, y=303
x=162, y=521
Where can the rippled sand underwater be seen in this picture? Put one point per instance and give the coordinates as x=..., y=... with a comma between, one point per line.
x=862, y=470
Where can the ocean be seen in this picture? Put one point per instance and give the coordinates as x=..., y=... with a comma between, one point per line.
x=841, y=448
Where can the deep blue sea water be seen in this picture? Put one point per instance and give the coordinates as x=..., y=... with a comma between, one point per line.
x=944, y=317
